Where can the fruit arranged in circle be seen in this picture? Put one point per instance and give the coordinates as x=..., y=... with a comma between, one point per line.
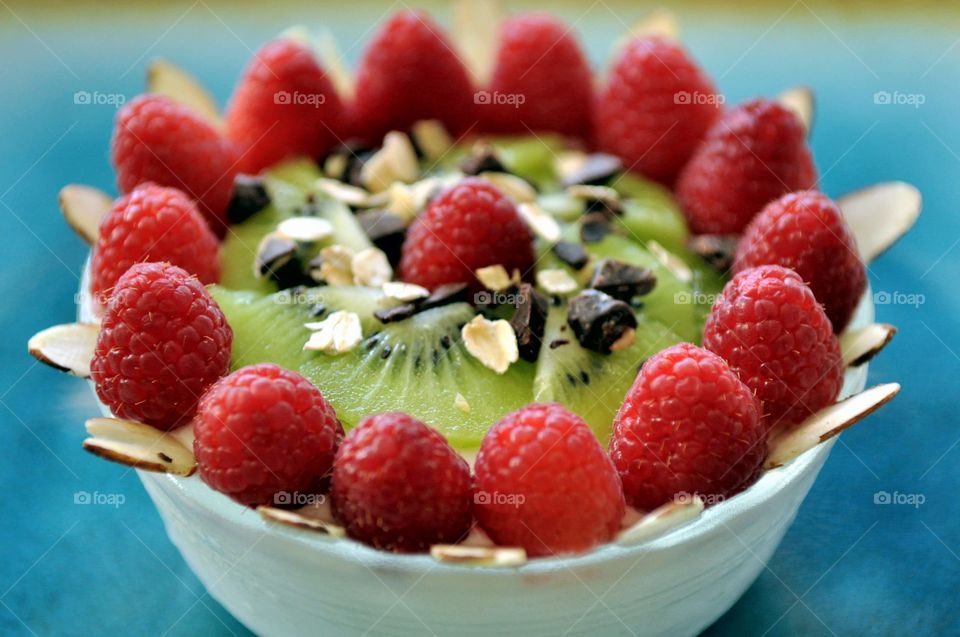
x=655, y=108
x=806, y=232
x=163, y=341
x=774, y=334
x=687, y=427
x=397, y=485
x=544, y=483
x=264, y=434
x=153, y=223
x=157, y=140
x=753, y=154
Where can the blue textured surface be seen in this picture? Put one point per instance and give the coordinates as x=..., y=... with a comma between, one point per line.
x=847, y=566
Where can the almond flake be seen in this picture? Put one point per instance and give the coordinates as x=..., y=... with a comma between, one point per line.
x=670, y=261
x=568, y=162
x=336, y=267
x=395, y=161
x=859, y=346
x=662, y=520
x=84, y=207
x=169, y=80
x=880, y=214
x=800, y=100
x=488, y=556
x=514, y=187
x=475, y=29
x=461, y=403
x=404, y=291
x=338, y=333
x=432, y=138
x=137, y=445
x=540, y=221
x=328, y=51
x=628, y=338
x=305, y=229
x=335, y=166
x=659, y=22
x=493, y=343
x=371, y=267
x=556, y=281
x=68, y=348
x=344, y=193
x=304, y=518
x=494, y=277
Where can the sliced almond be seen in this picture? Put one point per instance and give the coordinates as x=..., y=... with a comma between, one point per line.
x=493, y=343
x=826, y=424
x=476, y=26
x=461, y=403
x=567, y=162
x=556, y=281
x=305, y=229
x=84, y=207
x=878, y=215
x=137, y=445
x=540, y=221
x=659, y=22
x=371, y=267
x=662, y=520
x=626, y=340
x=489, y=556
x=68, y=348
x=345, y=193
x=595, y=193
x=495, y=278
x=305, y=518
x=395, y=161
x=404, y=291
x=338, y=333
x=432, y=138
x=168, y=79
x=800, y=100
x=336, y=267
x=328, y=51
x=512, y=186
x=859, y=346
x=670, y=261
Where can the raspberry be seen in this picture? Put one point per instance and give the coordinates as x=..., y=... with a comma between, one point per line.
x=772, y=332
x=155, y=139
x=655, y=108
x=543, y=482
x=806, y=232
x=264, y=430
x=284, y=106
x=752, y=155
x=687, y=426
x=470, y=226
x=540, y=63
x=410, y=72
x=153, y=223
x=163, y=340
x=398, y=485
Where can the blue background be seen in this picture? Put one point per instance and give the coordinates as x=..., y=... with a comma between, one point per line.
x=847, y=566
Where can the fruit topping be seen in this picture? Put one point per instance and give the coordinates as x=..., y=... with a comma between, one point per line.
x=600, y=322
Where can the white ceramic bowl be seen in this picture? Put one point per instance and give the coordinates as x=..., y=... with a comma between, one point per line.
x=283, y=581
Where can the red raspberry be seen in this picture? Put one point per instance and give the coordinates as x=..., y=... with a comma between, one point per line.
x=284, y=106
x=655, y=108
x=162, y=342
x=410, y=72
x=470, y=226
x=398, y=485
x=155, y=139
x=264, y=430
x=806, y=232
x=543, y=482
x=540, y=62
x=153, y=223
x=752, y=155
x=772, y=332
x=687, y=426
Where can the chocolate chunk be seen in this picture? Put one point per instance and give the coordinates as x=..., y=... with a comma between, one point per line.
x=446, y=294
x=558, y=342
x=354, y=157
x=597, y=170
x=273, y=253
x=716, y=249
x=622, y=280
x=594, y=227
x=318, y=310
x=483, y=159
x=249, y=197
x=529, y=321
x=598, y=320
x=572, y=254
x=386, y=230
x=394, y=314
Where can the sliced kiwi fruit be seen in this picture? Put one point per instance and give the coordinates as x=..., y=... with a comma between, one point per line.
x=590, y=384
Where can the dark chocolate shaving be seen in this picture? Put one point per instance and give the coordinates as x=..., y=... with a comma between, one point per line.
x=394, y=314
x=443, y=295
x=594, y=227
x=386, y=230
x=482, y=159
x=572, y=254
x=249, y=197
x=529, y=321
x=598, y=320
x=273, y=253
x=621, y=280
x=597, y=170
x=716, y=249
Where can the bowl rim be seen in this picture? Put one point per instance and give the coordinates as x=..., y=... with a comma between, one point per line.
x=770, y=484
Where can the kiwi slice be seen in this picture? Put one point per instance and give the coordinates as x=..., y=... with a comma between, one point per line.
x=588, y=383
x=418, y=366
x=530, y=157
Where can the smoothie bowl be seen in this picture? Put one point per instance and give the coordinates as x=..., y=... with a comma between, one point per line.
x=464, y=344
